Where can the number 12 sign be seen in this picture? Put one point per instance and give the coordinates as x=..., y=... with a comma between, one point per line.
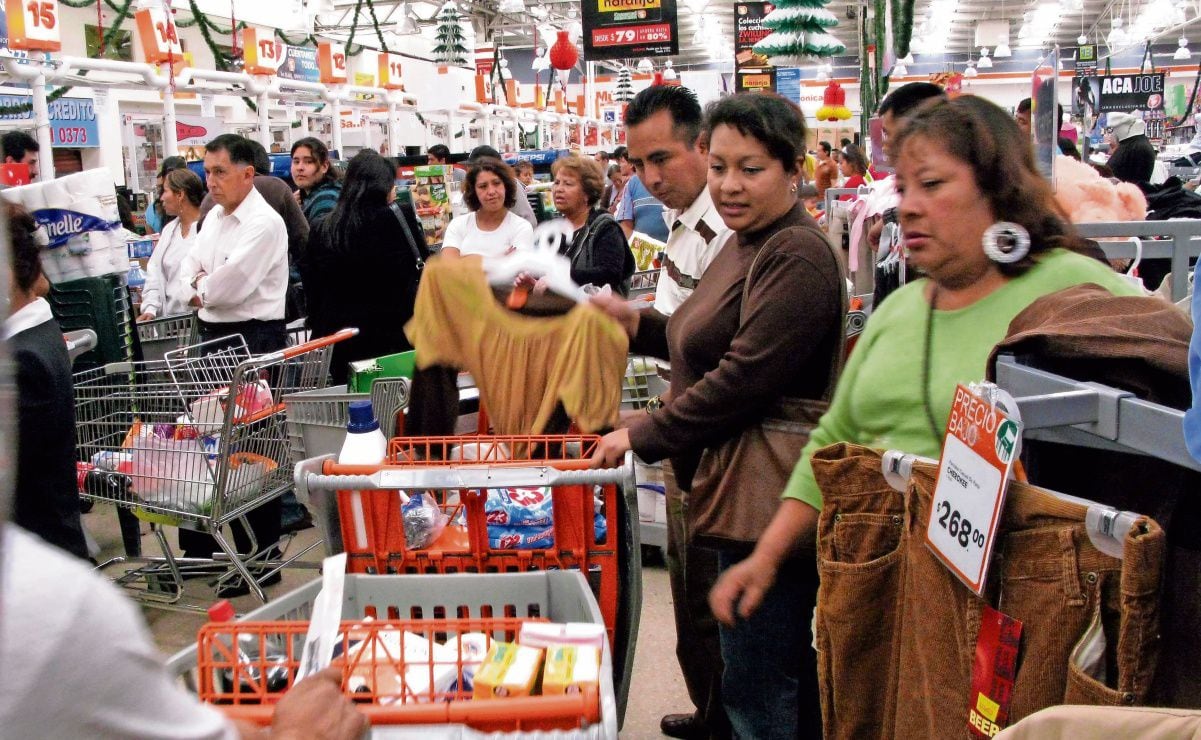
x=33, y=25
x=965, y=513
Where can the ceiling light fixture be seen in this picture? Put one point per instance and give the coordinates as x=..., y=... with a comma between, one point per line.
x=899, y=70
x=971, y=70
x=1002, y=51
x=645, y=67
x=907, y=59
x=1182, y=53
x=985, y=62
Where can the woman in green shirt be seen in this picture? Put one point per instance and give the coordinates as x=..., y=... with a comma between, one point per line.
x=963, y=167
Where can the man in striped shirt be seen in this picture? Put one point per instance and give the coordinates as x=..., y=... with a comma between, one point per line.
x=663, y=126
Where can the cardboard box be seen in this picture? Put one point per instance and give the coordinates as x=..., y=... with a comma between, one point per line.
x=508, y=670
x=570, y=669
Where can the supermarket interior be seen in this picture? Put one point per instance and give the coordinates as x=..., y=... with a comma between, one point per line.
x=560, y=369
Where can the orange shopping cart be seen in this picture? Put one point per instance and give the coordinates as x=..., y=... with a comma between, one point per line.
x=401, y=649
x=470, y=467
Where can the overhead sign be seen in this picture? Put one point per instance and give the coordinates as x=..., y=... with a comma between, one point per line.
x=331, y=63
x=298, y=63
x=158, y=35
x=619, y=29
x=1129, y=93
x=1086, y=60
x=196, y=130
x=389, y=72
x=752, y=71
x=72, y=120
x=261, y=54
x=788, y=83
x=33, y=25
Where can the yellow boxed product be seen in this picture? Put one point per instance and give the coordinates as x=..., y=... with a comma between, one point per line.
x=570, y=668
x=509, y=669
x=645, y=249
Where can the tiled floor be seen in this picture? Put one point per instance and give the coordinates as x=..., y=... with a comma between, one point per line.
x=657, y=686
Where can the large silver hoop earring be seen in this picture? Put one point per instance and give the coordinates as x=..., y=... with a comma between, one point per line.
x=1006, y=242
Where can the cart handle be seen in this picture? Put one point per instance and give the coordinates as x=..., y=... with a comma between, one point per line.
x=408, y=478
x=312, y=344
x=582, y=707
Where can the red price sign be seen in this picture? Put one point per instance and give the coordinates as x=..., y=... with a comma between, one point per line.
x=33, y=25
x=659, y=33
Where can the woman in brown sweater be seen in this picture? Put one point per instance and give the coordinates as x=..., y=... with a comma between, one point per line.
x=732, y=366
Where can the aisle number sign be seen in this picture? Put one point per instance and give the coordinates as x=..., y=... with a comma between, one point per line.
x=159, y=37
x=261, y=53
x=977, y=455
x=331, y=61
x=33, y=25
x=389, y=72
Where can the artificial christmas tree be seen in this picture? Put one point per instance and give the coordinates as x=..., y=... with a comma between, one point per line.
x=799, y=33
x=625, y=86
x=451, y=46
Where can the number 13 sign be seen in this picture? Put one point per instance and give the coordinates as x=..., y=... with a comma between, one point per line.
x=33, y=25
x=965, y=513
x=160, y=40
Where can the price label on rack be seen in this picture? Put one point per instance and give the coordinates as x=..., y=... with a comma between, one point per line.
x=977, y=455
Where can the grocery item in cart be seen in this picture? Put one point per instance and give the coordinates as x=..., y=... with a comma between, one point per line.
x=508, y=670
x=378, y=661
x=570, y=669
x=424, y=521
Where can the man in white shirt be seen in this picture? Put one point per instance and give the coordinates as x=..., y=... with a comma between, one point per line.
x=663, y=125
x=238, y=272
x=238, y=269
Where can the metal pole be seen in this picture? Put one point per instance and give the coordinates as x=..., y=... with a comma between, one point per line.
x=41, y=118
x=264, y=120
x=170, y=141
x=393, y=127
x=335, y=110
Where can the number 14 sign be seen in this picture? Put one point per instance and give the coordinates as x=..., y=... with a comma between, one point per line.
x=965, y=514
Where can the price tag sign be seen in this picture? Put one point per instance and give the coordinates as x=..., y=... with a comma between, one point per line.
x=973, y=473
x=33, y=25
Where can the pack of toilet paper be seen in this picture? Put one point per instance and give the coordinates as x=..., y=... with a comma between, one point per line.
x=78, y=216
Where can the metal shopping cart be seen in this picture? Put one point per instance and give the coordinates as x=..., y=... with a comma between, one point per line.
x=162, y=335
x=195, y=441
x=375, y=540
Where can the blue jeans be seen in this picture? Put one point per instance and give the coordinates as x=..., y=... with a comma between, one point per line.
x=769, y=685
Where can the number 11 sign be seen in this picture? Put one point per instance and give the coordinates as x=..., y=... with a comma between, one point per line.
x=965, y=514
x=33, y=25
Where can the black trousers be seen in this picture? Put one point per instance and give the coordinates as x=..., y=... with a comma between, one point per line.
x=261, y=337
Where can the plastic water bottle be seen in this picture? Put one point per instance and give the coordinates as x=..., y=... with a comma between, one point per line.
x=137, y=281
x=364, y=444
x=247, y=679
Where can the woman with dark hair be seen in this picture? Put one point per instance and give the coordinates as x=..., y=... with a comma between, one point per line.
x=490, y=229
x=318, y=183
x=854, y=168
x=756, y=344
x=47, y=500
x=156, y=215
x=598, y=250
x=984, y=227
x=361, y=265
x=164, y=294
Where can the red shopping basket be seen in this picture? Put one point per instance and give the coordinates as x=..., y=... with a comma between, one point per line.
x=374, y=538
x=400, y=672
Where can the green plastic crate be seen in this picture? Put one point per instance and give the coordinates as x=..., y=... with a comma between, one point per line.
x=366, y=372
x=102, y=305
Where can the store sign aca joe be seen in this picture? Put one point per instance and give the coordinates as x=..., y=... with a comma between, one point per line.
x=620, y=29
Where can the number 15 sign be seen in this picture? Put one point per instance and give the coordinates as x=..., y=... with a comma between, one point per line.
x=33, y=25
x=965, y=514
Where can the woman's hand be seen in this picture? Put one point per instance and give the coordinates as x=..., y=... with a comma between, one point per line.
x=612, y=449
x=616, y=308
x=740, y=589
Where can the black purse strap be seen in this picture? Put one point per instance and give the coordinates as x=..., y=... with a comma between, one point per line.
x=404, y=224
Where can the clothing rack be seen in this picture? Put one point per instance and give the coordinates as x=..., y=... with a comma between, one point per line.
x=1179, y=241
x=1058, y=409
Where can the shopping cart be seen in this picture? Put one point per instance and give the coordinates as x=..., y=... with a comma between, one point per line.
x=643, y=284
x=437, y=608
x=374, y=537
x=160, y=336
x=196, y=442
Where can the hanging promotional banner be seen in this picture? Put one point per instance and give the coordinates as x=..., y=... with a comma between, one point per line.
x=1086, y=60
x=1128, y=93
x=72, y=120
x=752, y=71
x=788, y=84
x=619, y=29
x=299, y=63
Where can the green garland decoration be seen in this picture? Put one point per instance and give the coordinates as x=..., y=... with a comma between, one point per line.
x=375, y=22
x=109, y=37
x=354, y=26
x=219, y=60
x=78, y=5
x=880, y=79
x=306, y=40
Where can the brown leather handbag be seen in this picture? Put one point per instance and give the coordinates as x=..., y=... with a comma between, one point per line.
x=737, y=486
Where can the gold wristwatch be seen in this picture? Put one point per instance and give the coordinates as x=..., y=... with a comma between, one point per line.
x=654, y=404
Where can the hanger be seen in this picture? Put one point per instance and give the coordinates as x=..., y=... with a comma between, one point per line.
x=1132, y=271
x=541, y=259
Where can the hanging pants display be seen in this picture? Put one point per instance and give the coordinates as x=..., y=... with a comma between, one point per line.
x=897, y=631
